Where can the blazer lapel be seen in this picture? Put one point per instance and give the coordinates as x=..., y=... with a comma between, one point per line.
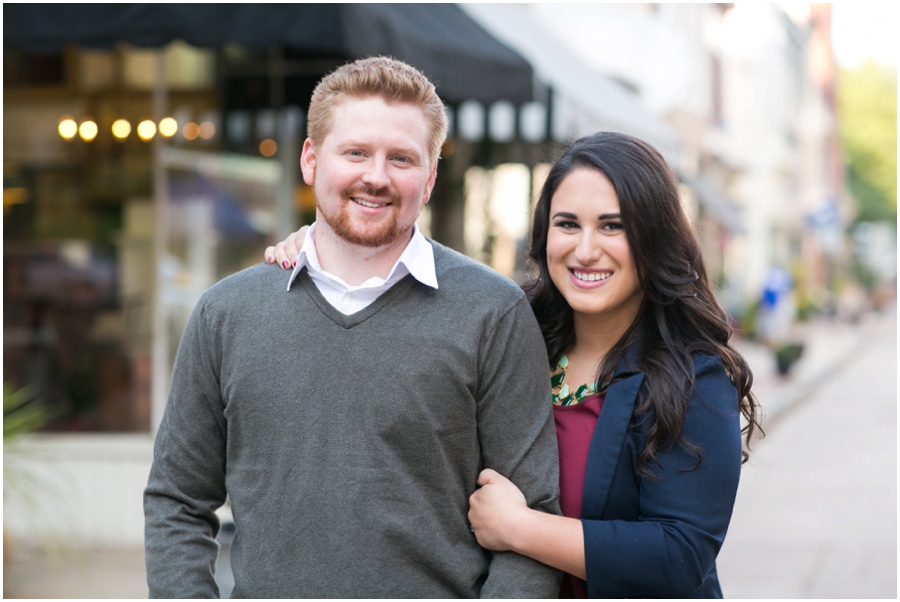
x=606, y=444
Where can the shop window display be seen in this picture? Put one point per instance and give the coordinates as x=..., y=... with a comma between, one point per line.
x=81, y=256
x=70, y=334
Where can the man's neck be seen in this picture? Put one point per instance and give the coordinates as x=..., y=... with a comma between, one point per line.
x=354, y=264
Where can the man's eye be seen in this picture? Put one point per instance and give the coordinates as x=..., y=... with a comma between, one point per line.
x=400, y=159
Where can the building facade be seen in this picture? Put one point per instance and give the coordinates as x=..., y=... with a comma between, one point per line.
x=112, y=231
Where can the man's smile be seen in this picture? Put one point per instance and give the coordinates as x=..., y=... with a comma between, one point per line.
x=370, y=204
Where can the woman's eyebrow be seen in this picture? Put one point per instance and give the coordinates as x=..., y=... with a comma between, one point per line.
x=601, y=217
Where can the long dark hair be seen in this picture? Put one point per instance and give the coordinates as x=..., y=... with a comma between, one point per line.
x=679, y=315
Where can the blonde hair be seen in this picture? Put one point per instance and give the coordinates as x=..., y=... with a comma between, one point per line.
x=384, y=77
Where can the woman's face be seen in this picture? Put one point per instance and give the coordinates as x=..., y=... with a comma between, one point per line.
x=587, y=251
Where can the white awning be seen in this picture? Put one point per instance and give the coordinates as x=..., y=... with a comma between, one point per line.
x=585, y=100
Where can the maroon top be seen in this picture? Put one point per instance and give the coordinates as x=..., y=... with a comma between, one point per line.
x=575, y=426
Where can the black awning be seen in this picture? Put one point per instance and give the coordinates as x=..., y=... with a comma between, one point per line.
x=448, y=46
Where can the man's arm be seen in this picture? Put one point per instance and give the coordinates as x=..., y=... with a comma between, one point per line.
x=518, y=439
x=187, y=480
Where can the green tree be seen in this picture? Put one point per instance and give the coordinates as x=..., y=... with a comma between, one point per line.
x=867, y=96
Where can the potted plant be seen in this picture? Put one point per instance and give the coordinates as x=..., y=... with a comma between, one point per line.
x=786, y=355
x=22, y=413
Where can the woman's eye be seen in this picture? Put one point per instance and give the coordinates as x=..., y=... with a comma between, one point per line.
x=612, y=226
x=566, y=225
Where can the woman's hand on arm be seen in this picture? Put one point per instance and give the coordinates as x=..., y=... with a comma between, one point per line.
x=502, y=521
x=285, y=253
x=496, y=511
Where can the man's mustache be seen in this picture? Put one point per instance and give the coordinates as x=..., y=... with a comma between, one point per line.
x=385, y=194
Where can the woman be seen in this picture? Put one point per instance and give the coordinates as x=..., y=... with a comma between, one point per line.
x=647, y=394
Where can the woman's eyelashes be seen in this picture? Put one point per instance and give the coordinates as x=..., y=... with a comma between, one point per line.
x=566, y=224
x=612, y=226
x=604, y=226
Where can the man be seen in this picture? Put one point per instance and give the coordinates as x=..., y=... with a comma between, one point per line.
x=348, y=418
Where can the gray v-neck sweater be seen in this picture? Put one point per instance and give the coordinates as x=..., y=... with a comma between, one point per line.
x=349, y=445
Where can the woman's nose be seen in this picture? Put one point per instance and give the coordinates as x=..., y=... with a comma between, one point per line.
x=588, y=250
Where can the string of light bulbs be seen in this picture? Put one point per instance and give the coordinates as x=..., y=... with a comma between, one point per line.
x=146, y=130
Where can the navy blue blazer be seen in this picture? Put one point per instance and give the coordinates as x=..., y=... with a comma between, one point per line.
x=646, y=538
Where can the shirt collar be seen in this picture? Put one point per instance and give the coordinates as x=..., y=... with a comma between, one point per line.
x=417, y=259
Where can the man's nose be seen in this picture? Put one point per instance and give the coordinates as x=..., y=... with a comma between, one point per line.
x=376, y=175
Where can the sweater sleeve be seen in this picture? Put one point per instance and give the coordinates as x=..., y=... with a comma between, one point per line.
x=672, y=546
x=187, y=478
x=518, y=440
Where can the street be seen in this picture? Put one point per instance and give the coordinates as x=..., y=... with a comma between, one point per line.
x=816, y=513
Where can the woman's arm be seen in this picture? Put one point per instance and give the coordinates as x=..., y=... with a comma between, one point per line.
x=285, y=253
x=660, y=537
x=677, y=523
x=503, y=521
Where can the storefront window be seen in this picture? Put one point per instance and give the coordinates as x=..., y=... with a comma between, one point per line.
x=220, y=214
x=72, y=333
x=81, y=255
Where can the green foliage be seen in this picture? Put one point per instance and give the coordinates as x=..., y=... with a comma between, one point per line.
x=21, y=412
x=868, y=111
x=865, y=276
x=22, y=487
x=806, y=306
x=748, y=321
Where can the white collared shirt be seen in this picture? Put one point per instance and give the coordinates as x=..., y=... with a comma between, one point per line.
x=417, y=259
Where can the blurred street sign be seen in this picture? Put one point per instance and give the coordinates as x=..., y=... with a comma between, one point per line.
x=825, y=216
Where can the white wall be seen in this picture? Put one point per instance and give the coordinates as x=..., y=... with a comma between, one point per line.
x=86, y=490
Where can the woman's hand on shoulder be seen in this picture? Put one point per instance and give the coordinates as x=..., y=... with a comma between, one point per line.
x=496, y=509
x=285, y=253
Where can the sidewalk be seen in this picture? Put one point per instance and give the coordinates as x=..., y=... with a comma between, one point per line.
x=827, y=344
x=119, y=573
x=80, y=573
x=816, y=510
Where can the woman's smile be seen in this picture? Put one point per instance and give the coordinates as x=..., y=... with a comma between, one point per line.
x=590, y=278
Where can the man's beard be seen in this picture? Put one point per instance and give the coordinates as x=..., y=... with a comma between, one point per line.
x=375, y=236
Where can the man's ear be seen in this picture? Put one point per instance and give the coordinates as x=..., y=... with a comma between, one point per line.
x=429, y=186
x=308, y=162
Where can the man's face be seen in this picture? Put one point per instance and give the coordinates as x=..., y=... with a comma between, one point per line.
x=372, y=173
